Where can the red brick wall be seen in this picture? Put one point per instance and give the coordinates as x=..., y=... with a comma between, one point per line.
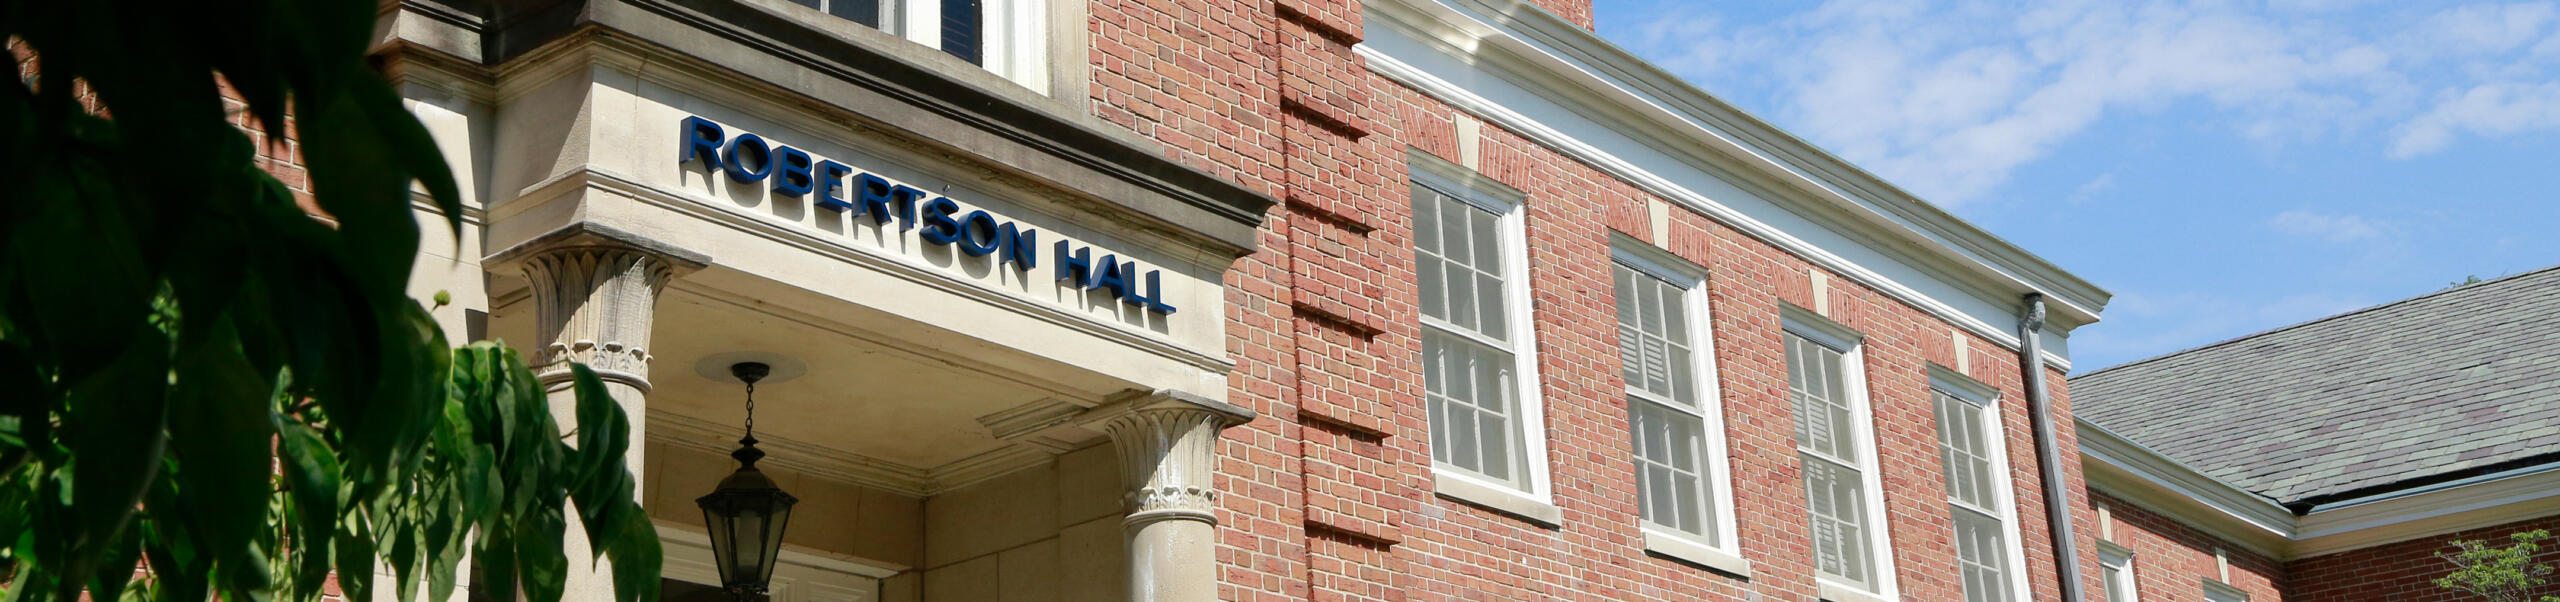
x=279, y=154
x=1329, y=495
x=2171, y=560
x=2403, y=571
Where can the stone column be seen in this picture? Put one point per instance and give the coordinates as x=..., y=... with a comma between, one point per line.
x=595, y=295
x=1168, y=444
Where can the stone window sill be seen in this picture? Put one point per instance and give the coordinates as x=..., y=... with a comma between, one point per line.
x=1498, y=499
x=1690, y=551
x=1833, y=592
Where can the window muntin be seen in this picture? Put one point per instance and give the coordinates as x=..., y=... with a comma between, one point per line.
x=1472, y=355
x=2115, y=573
x=1669, y=422
x=1836, y=477
x=1473, y=415
x=1965, y=450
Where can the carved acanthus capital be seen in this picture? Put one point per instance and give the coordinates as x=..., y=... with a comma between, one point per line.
x=1168, y=444
x=595, y=294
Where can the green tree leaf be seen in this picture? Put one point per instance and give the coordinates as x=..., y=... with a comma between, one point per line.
x=219, y=428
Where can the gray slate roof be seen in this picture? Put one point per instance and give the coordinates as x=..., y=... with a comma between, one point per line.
x=2398, y=395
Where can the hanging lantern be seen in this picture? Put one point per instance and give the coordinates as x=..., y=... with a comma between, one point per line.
x=747, y=513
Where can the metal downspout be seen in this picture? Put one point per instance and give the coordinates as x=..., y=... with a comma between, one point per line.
x=2057, y=495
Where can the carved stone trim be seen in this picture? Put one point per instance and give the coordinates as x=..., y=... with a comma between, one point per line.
x=1168, y=445
x=595, y=293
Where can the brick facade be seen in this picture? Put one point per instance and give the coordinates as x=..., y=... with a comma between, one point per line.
x=1329, y=495
x=2403, y=571
x=2171, y=560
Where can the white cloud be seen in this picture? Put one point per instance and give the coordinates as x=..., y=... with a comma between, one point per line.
x=2489, y=110
x=1949, y=98
x=2102, y=184
x=2333, y=227
x=2485, y=28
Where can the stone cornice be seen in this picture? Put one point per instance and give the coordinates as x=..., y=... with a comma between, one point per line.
x=897, y=85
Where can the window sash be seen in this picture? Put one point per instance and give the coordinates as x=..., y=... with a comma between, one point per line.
x=1825, y=422
x=1655, y=347
x=1835, y=481
x=1471, y=394
x=2115, y=572
x=1836, y=502
x=1471, y=354
x=1964, y=449
x=1459, y=265
x=1672, y=475
x=1982, y=552
x=1970, y=475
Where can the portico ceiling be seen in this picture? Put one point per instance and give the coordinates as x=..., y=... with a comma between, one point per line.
x=892, y=395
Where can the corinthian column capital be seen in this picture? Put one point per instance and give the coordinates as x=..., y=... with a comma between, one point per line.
x=1168, y=444
x=595, y=293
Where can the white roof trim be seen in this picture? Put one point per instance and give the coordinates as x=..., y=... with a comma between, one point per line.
x=2137, y=474
x=1590, y=71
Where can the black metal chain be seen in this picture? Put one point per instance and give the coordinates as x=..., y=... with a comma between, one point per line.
x=751, y=410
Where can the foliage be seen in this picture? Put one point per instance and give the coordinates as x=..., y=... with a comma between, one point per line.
x=2499, y=574
x=200, y=379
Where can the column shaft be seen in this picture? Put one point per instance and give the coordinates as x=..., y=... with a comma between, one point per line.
x=595, y=294
x=1168, y=444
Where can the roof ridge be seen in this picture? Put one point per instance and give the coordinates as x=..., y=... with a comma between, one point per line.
x=2461, y=288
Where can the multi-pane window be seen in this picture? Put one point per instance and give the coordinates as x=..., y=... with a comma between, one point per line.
x=1668, y=411
x=1004, y=36
x=2115, y=572
x=1968, y=448
x=1828, y=442
x=2216, y=591
x=1471, y=356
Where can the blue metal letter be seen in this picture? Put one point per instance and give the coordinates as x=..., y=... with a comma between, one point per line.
x=906, y=198
x=791, y=175
x=737, y=165
x=1107, y=276
x=701, y=139
x=974, y=224
x=939, y=228
x=873, y=192
x=1075, y=267
x=1129, y=285
x=1021, y=246
x=1155, y=294
x=830, y=179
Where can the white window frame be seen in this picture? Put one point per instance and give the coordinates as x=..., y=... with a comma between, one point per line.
x=2217, y=591
x=1536, y=501
x=1723, y=551
x=1965, y=388
x=2110, y=554
x=1005, y=23
x=1853, y=378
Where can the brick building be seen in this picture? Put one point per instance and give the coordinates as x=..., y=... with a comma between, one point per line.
x=1248, y=300
x=2331, y=460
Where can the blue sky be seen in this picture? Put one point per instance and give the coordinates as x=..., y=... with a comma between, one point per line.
x=2222, y=167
